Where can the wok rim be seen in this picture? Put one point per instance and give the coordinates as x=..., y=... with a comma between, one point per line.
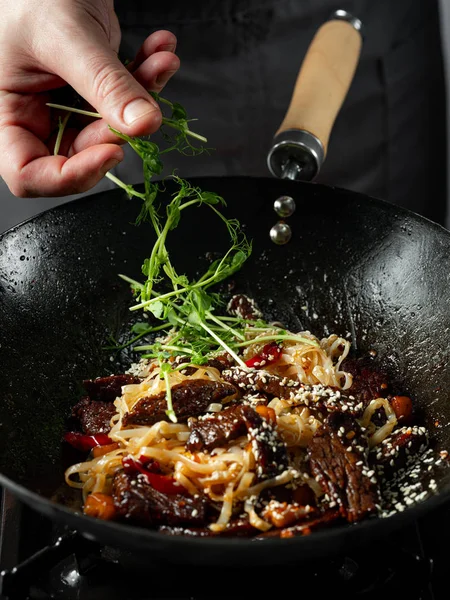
x=91, y=198
x=96, y=528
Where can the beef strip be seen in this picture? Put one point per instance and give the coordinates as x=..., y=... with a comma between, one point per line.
x=136, y=501
x=243, y=307
x=94, y=416
x=189, y=398
x=399, y=449
x=107, y=389
x=215, y=430
x=325, y=399
x=269, y=450
x=252, y=380
x=299, y=495
x=368, y=382
x=239, y=527
x=337, y=455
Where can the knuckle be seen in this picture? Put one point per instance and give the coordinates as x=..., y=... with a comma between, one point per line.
x=108, y=80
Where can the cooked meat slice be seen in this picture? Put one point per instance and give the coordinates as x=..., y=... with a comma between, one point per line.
x=268, y=449
x=94, y=416
x=399, y=449
x=136, y=501
x=236, y=528
x=252, y=380
x=337, y=455
x=325, y=399
x=220, y=363
x=368, y=382
x=243, y=307
x=107, y=389
x=190, y=398
x=213, y=430
x=304, y=528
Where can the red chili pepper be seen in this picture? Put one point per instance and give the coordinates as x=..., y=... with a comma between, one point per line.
x=161, y=483
x=84, y=442
x=268, y=355
x=150, y=464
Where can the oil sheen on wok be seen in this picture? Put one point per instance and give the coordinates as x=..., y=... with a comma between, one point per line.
x=298, y=436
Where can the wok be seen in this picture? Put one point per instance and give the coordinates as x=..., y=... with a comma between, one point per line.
x=358, y=264
x=355, y=266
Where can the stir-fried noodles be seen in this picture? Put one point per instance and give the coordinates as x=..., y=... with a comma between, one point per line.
x=281, y=446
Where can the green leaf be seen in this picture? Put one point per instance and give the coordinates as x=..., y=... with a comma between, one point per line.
x=171, y=316
x=178, y=112
x=140, y=327
x=164, y=368
x=145, y=267
x=194, y=318
x=173, y=213
x=212, y=198
x=157, y=308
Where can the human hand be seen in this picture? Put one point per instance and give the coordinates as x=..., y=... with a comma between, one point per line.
x=48, y=44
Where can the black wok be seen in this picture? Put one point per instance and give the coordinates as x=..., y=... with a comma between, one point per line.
x=358, y=264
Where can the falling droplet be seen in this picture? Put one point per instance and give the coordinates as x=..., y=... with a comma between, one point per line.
x=280, y=233
x=284, y=206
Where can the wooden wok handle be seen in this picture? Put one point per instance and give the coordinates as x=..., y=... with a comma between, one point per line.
x=320, y=90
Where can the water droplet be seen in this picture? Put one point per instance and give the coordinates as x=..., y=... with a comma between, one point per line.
x=22, y=257
x=280, y=233
x=284, y=206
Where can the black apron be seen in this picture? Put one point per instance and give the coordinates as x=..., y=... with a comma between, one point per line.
x=239, y=62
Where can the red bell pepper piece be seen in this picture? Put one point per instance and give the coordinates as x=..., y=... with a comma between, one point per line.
x=161, y=483
x=84, y=442
x=268, y=355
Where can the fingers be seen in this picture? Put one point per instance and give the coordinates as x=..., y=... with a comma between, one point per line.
x=156, y=70
x=26, y=163
x=97, y=132
x=59, y=176
x=97, y=74
x=91, y=67
x=30, y=171
x=159, y=41
x=153, y=74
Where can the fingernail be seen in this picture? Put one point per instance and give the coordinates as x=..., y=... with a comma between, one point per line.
x=163, y=78
x=108, y=165
x=167, y=48
x=137, y=109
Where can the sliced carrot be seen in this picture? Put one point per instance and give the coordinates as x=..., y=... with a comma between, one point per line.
x=100, y=506
x=267, y=413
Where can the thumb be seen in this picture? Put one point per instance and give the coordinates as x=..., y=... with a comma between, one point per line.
x=97, y=74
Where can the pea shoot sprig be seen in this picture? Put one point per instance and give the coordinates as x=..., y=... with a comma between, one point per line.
x=187, y=312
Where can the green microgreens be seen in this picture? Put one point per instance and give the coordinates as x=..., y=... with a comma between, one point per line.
x=61, y=128
x=187, y=310
x=165, y=369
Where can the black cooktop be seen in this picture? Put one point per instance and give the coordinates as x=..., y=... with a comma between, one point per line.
x=41, y=561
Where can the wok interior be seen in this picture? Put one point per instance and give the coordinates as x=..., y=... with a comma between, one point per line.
x=355, y=266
